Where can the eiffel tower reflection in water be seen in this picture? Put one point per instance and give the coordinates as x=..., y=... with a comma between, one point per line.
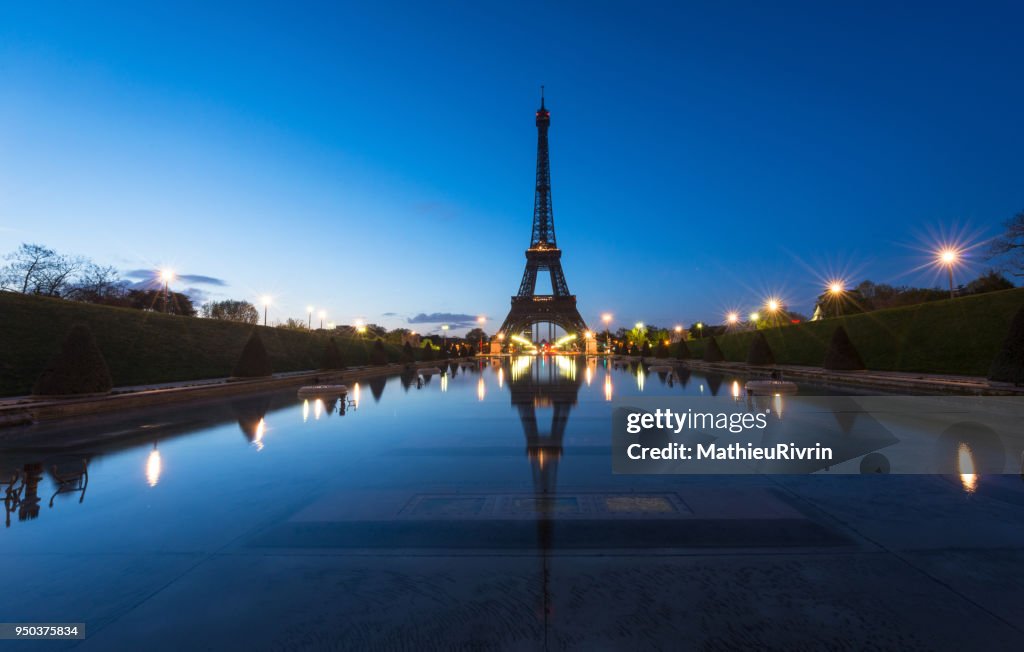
x=542, y=384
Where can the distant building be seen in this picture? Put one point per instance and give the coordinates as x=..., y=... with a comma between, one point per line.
x=412, y=339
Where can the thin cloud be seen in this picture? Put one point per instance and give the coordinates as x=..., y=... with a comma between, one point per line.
x=452, y=318
x=146, y=275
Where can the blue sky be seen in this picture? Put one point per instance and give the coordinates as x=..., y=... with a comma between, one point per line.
x=377, y=159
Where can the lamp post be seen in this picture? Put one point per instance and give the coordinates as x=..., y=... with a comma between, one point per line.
x=323, y=314
x=480, y=320
x=309, y=324
x=773, y=306
x=949, y=257
x=700, y=330
x=732, y=319
x=444, y=330
x=266, y=304
x=607, y=319
x=167, y=276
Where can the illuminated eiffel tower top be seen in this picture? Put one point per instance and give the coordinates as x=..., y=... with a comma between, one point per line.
x=543, y=218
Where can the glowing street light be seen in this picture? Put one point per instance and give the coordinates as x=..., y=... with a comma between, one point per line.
x=836, y=289
x=360, y=326
x=266, y=304
x=167, y=275
x=948, y=257
x=323, y=315
x=732, y=318
x=700, y=330
x=444, y=329
x=773, y=305
x=309, y=326
x=754, y=316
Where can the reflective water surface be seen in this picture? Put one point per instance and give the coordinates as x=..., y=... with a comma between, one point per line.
x=483, y=494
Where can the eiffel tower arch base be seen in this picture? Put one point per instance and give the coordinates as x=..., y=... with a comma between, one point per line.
x=526, y=312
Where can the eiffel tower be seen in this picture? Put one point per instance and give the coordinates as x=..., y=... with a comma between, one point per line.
x=528, y=307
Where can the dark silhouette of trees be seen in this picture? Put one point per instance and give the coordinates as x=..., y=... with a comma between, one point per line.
x=1009, y=247
x=990, y=281
x=230, y=310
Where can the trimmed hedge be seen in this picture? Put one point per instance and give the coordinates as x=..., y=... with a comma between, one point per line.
x=144, y=347
x=1008, y=365
x=713, y=352
x=952, y=336
x=79, y=368
x=760, y=353
x=682, y=350
x=253, y=363
x=841, y=354
x=378, y=356
x=332, y=356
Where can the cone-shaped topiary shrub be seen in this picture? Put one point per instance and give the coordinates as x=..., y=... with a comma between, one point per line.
x=428, y=352
x=332, y=356
x=79, y=368
x=253, y=362
x=841, y=355
x=713, y=352
x=661, y=351
x=408, y=355
x=378, y=355
x=1008, y=366
x=760, y=353
x=646, y=350
x=682, y=350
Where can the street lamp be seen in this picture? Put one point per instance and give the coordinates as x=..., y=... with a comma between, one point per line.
x=360, y=326
x=323, y=314
x=949, y=257
x=836, y=289
x=607, y=319
x=480, y=320
x=700, y=330
x=309, y=325
x=167, y=276
x=444, y=330
x=732, y=319
x=773, y=306
x=266, y=304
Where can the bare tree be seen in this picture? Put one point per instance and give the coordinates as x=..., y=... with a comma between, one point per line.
x=1010, y=245
x=35, y=269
